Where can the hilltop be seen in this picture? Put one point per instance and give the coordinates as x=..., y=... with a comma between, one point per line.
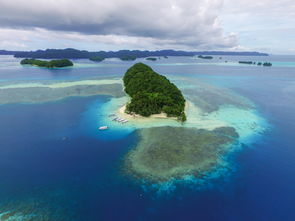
x=152, y=93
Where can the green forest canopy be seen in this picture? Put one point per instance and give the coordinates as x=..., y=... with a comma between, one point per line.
x=152, y=93
x=48, y=64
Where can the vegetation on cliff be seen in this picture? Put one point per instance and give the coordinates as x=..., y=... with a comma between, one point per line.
x=152, y=93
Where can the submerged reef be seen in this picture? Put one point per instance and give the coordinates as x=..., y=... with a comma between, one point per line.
x=164, y=153
x=36, y=94
x=38, y=206
x=210, y=99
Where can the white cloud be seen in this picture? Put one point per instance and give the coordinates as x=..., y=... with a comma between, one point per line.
x=154, y=24
x=166, y=23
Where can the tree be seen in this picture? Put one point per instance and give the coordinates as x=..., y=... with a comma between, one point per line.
x=152, y=93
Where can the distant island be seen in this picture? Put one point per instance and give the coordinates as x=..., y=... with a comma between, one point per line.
x=246, y=62
x=70, y=53
x=47, y=64
x=128, y=58
x=96, y=59
x=205, y=57
x=151, y=59
x=266, y=64
x=5, y=52
x=152, y=93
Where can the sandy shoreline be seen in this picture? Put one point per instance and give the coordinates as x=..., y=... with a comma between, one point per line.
x=195, y=117
x=138, y=118
x=135, y=117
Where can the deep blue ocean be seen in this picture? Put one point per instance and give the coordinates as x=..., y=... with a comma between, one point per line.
x=50, y=158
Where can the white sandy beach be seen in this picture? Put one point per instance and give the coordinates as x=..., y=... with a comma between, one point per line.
x=121, y=113
x=195, y=117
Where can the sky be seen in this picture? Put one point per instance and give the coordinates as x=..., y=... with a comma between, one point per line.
x=194, y=25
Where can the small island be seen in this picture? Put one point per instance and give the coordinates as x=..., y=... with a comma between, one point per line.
x=152, y=93
x=205, y=57
x=127, y=58
x=151, y=59
x=245, y=62
x=265, y=64
x=47, y=64
x=96, y=58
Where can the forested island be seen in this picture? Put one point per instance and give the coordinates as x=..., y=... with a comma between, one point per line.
x=205, y=57
x=96, y=58
x=128, y=58
x=47, y=64
x=70, y=53
x=152, y=93
x=266, y=64
x=246, y=62
x=151, y=59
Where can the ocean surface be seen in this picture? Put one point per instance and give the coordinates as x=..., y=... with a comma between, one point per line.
x=56, y=165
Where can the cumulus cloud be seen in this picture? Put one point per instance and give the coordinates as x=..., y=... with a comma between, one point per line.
x=154, y=23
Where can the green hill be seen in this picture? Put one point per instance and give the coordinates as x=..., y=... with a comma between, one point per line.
x=152, y=93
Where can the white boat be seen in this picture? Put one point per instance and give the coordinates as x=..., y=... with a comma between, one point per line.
x=103, y=128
